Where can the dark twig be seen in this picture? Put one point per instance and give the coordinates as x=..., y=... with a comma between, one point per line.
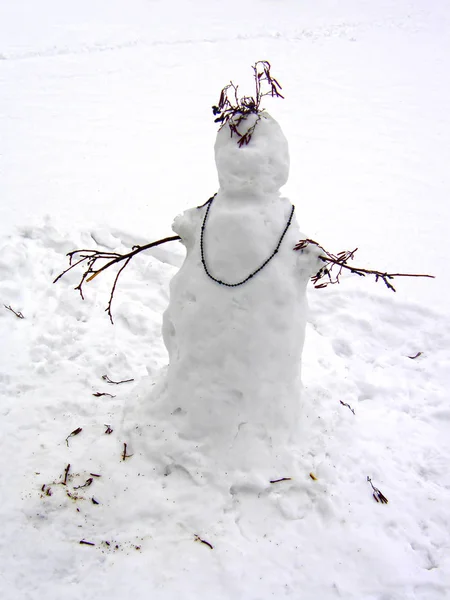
x=347, y=405
x=335, y=263
x=99, y=394
x=85, y=485
x=94, y=501
x=108, y=380
x=66, y=474
x=87, y=543
x=91, y=258
x=379, y=497
x=124, y=453
x=17, y=313
x=282, y=479
x=415, y=355
x=94, y=475
x=199, y=539
x=233, y=110
x=108, y=429
x=74, y=432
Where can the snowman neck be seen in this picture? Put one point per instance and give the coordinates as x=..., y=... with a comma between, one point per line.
x=248, y=196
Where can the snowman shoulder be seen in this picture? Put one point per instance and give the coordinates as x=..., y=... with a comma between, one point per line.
x=308, y=259
x=186, y=225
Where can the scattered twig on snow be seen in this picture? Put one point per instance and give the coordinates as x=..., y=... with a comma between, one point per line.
x=90, y=258
x=124, y=453
x=234, y=110
x=87, y=483
x=347, y=405
x=87, y=543
x=335, y=263
x=282, y=479
x=108, y=429
x=108, y=380
x=74, y=432
x=379, y=497
x=94, y=501
x=73, y=496
x=99, y=394
x=94, y=475
x=66, y=474
x=313, y=477
x=17, y=313
x=199, y=539
x=415, y=355
x=48, y=491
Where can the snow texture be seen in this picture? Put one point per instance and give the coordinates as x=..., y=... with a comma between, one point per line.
x=106, y=133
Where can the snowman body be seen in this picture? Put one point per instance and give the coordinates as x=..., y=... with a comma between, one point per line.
x=230, y=399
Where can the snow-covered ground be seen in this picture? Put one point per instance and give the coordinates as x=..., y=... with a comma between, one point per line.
x=106, y=133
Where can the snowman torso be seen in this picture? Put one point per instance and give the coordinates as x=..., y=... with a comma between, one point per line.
x=235, y=351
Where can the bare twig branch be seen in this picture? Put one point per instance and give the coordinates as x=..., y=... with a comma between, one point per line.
x=415, y=355
x=74, y=432
x=199, y=539
x=108, y=429
x=91, y=258
x=347, y=405
x=66, y=474
x=234, y=110
x=108, y=380
x=124, y=453
x=99, y=394
x=379, y=497
x=281, y=479
x=86, y=484
x=335, y=263
x=17, y=313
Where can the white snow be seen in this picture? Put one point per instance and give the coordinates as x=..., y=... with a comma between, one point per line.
x=106, y=134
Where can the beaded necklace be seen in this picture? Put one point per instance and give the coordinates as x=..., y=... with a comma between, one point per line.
x=202, y=249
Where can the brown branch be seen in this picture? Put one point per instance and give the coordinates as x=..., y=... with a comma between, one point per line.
x=66, y=474
x=124, y=453
x=348, y=406
x=86, y=484
x=91, y=258
x=379, y=497
x=17, y=313
x=108, y=380
x=335, y=263
x=74, y=432
x=282, y=479
x=234, y=110
x=199, y=539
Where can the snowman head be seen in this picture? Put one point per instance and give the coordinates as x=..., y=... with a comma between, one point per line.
x=260, y=166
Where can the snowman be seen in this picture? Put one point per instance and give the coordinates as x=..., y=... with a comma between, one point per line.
x=230, y=400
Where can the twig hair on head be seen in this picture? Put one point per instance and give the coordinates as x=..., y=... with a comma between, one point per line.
x=233, y=110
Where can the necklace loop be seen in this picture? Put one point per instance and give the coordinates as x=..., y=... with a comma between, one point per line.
x=202, y=249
